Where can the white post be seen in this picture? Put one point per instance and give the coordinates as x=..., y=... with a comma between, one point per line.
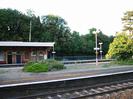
x=101, y=49
x=53, y=52
x=96, y=48
x=30, y=32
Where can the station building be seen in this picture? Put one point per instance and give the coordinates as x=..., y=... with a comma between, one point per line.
x=22, y=52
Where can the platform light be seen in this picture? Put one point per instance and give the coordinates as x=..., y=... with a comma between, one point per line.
x=101, y=49
x=96, y=48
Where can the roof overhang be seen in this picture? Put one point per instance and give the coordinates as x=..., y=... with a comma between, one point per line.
x=26, y=44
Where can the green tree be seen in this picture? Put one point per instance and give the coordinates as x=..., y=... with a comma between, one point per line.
x=128, y=21
x=121, y=47
x=89, y=42
x=36, y=29
x=13, y=25
x=36, y=26
x=106, y=40
x=55, y=29
x=76, y=43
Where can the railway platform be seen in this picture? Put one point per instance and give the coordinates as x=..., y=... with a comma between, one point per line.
x=76, y=82
x=15, y=75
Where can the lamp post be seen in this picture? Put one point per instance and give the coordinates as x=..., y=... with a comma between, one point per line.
x=53, y=52
x=30, y=31
x=8, y=28
x=101, y=49
x=96, y=48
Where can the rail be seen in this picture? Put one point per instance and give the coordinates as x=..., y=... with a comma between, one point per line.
x=70, y=88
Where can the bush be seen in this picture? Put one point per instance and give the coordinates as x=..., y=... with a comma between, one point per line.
x=43, y=66
x=53, y=64
x=121, y=48
x=29, y=63
x=35, y=67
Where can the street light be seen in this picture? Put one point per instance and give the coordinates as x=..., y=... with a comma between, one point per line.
x=96, y=48
x=101, y=49
x=53, y=52
x=8, y=28
x=30, y=31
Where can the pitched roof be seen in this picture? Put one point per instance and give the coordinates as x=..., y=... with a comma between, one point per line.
x=27, y=44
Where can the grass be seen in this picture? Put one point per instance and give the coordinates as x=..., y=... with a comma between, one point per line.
x=124, y=62
x=119, y=63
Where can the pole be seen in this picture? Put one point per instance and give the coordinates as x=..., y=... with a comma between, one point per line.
x=96, y=49
x=101, y=49
x=101, y=54
x=53, y=52
x=30, y=32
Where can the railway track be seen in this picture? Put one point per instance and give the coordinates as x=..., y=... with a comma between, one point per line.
x=85, y=92
x=86, y=87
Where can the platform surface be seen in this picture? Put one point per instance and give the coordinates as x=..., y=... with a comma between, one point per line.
x=15, y=75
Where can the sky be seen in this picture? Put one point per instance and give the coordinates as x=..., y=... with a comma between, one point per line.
x=81, y=15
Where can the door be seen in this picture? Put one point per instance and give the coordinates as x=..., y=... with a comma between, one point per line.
x=18, y=58
x=9, y=59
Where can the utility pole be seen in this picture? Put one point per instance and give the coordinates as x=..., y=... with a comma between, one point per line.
x=96, y=48
x=30, y=31
x=101, y=49
x=53, y=52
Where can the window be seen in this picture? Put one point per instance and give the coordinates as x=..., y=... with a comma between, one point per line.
x=9, y=53
x=40, y=53
x=1, y=56
x=18, y=53
x=33, y=53
x=26, y=55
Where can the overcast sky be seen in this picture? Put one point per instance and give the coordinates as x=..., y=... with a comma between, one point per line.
x=80, y=14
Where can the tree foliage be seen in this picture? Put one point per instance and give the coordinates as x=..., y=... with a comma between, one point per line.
x=56, y=30
x=15, y=26
x=89, y=42
x=128, y=21
x=121, y=47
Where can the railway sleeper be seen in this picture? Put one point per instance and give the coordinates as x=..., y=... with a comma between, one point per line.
x=100, y=93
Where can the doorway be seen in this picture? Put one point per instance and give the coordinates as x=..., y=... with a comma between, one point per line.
x=18, y=58
x=9, y=59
